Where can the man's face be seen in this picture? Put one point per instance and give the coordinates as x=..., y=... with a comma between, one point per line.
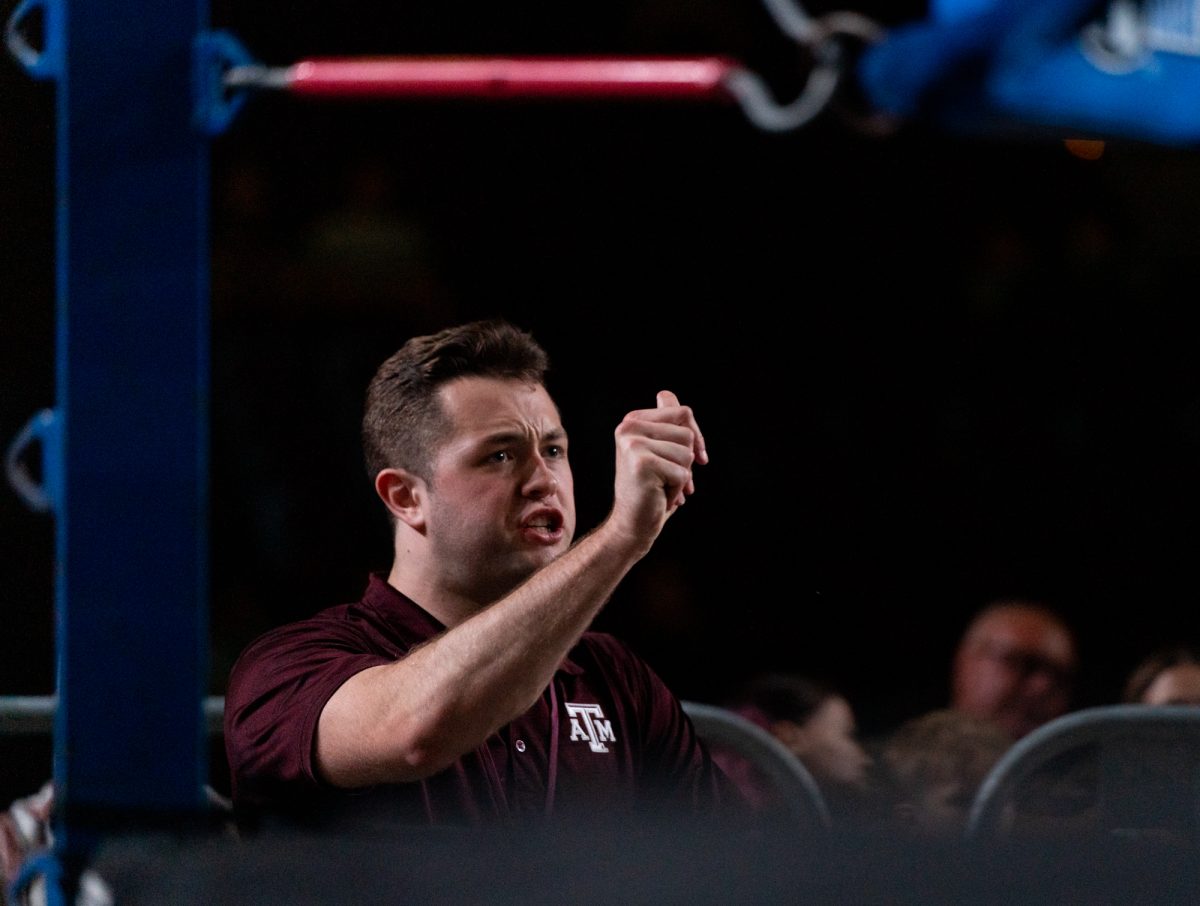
x=501, y=502
x=1016, y=669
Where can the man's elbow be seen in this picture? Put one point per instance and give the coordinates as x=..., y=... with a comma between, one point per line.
x=360, y=762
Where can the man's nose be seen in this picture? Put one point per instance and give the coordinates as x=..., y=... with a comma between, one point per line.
x=1041, y=682
x=542, y=482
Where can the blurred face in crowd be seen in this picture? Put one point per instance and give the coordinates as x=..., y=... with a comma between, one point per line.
x=1016, y=667
x=1178, y=685
x=828, y=743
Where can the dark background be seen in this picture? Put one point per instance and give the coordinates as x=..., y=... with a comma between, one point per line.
x=931, y=367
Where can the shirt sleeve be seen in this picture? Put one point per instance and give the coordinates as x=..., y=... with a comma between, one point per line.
x=276, y=691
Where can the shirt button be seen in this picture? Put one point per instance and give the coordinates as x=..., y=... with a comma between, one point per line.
x=520, y=744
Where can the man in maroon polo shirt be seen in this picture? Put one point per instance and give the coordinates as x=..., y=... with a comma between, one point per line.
x=465, y=686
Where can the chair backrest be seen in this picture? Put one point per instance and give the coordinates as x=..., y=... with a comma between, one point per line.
x=1115, y=770
x=796, y=788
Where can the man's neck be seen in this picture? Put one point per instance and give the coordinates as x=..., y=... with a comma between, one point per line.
x=448, y=608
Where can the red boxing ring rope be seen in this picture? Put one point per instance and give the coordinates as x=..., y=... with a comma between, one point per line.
x=701, y=78
x=225, y=72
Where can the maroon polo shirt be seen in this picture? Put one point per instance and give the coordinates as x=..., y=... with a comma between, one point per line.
x=606, y=732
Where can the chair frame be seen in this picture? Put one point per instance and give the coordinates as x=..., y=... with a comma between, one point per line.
x=1114, y=728
x=785, y=771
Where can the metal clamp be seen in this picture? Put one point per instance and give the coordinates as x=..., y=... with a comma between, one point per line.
x=43, y=866
x=48, y=62
x=216, y=103
x=44, y=428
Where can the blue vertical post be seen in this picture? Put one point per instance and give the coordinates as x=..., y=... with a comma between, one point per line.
x=132, y=405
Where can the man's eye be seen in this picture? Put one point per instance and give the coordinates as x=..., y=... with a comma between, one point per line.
x=555, y=452
x=500, y=456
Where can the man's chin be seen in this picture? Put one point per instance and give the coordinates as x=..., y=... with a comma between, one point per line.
x=544, y=556
x=530, y=561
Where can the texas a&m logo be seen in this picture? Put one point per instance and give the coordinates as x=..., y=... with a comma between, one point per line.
x=588, y=723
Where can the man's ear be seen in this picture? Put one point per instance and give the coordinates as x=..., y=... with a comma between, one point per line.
x=403, y=494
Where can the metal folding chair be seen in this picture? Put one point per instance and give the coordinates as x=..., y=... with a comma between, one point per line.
x=797, y=789
x=1113, y=770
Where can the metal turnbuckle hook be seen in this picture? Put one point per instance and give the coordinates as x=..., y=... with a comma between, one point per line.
x=822, y=37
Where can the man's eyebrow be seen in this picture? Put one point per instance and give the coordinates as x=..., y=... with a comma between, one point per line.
x=496, y=438
x=556, y=435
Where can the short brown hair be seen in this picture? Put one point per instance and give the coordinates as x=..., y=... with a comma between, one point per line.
x=941, y=745
x=1155, y=663
x=769, y=697
x=402, y=419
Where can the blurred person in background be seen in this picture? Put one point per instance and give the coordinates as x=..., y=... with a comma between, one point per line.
x=931, y=767
x=817, y=724
x=1169, y=675
x=1015, y=665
